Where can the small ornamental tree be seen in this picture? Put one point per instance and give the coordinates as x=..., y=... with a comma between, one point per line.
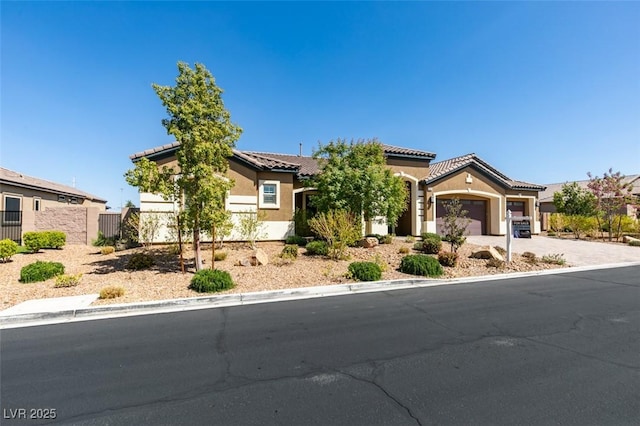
x=611, y=194
x=455, y=223
x=574, y=200
x=199, y=121
x=355, y=178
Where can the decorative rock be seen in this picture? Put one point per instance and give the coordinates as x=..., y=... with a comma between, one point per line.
x=368, y=242
x=259, y=258
x=487, y=252
x=244, y=262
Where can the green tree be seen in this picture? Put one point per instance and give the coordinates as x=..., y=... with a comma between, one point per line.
x=199, y=121
x=574, y=200
x=611, y=194
x=455, y=223
x=355, y=178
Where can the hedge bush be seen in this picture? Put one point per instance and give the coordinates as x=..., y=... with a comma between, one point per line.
x=432, y=245
x=634, y=243
x=219, y=256
x=63, y=281
x=7, y=249
x=139, y=261
x=447, y=258
x=421, y=264
x=210, y=281
x=316, y=247
x=365, y=271
x=297, y=240
x=35, y=240
x=40, y=271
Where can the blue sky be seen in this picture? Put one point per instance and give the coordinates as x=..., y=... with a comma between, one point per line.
x=544, y=91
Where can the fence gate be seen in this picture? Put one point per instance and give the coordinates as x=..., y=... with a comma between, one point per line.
x=110, y=224
x=11, y=227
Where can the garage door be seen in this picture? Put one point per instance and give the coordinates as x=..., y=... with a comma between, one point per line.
x=516, y=207
x=477, y=212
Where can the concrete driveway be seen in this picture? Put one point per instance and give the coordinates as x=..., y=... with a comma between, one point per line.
x=576, y=252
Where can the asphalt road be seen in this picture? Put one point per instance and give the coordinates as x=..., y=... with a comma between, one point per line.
x=555, y=349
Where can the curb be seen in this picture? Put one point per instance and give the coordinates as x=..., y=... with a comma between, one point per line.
x=240, y=299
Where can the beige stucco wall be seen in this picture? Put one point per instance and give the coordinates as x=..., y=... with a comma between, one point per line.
x=285, y=212
x=416, y=168
x=47, y=199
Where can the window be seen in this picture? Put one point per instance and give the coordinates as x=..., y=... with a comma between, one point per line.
x=11, y=209
x=269, y=194
x=36, y=204
x=74, y=200
x=62, y=198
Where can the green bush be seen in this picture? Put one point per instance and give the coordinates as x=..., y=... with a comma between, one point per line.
x=403, y=250
x=107, y=249
x=554, y=259
x=430, y=235
x=7, y=249
x=420, y=264
x=289, y=251
x=634, y=243
x=111, y=292
x=40, y=271
x=339, y=228
x=317, y=248
x=33, y=241
x=54, y=239
x=139, y=261
x=432, y=245
x=210, y=281
x=365, y=271
x=386, y=239
x=447, y=258
x=297, y=240
x=102, y=241
x=67, y=280
x=417, y=246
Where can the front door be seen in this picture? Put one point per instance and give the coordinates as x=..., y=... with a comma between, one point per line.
x=404, y=222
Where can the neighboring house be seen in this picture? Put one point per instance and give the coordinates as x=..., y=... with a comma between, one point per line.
x=30, y=204
x=546, y=196
x=275, y=184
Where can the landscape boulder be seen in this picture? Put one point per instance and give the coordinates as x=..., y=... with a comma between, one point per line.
x=259, y=257
x=628, y=239
x=368, y=242
x=244, y=262
x=487, y=252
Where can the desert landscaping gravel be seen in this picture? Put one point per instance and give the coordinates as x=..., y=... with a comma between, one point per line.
x=165, y=281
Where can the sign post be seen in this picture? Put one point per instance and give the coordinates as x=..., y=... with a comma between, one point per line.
x=509, y=232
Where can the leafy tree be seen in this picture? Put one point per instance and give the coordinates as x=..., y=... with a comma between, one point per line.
x=455, y=223
x=612, y=194
x=199, y=121
x=354, y=177
x=129, y=204
x=574, y=200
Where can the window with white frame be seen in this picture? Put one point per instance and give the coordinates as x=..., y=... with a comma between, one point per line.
x=269, y=194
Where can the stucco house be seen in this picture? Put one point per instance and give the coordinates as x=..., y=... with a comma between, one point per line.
x=31, y=204
x=275, y=183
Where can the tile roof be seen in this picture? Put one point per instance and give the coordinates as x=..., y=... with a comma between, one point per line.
x=406, y=152
x=546, y=196
x=447, y=167
x=11, y=177
x=306, y=166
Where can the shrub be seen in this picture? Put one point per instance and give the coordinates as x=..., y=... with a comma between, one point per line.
x=432, y=245
x=67, y=280
x=220, y=255
x=418, y=246
x=551, y=234
x=111, y=292
x=365, y=271
x=495, y=263
x=420, y=264
x=430, y=235
x=7, y=249
x=634, y=243
x=139, y=261
x=339, y=228
x=386, y=239
x=530, y=257
x=107, y=250
x=210, y=281
x=40, y=271
x=33, y=241
x=410, y=239
x=54, y=239
x=289, y=251
x=403, y=250
x=554, y=259
x=317, y=248
x=447, y=258
x=102, y=241
x=296, y=239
